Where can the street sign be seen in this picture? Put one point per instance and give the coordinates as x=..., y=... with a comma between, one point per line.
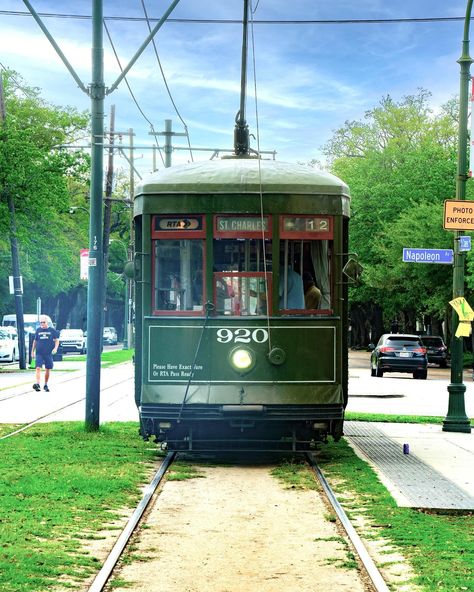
x=464, y=243
x=458, y=214
x=445, y=256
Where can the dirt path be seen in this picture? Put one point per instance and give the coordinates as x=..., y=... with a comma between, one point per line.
x=238, y=530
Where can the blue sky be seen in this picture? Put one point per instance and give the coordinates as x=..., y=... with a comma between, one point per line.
x=310, y=78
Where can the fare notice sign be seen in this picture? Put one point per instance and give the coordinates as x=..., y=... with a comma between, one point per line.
x=458, y=214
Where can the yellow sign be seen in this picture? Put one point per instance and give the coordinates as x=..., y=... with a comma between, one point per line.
x=464, y=329
x=458, y=214
x=465, y=312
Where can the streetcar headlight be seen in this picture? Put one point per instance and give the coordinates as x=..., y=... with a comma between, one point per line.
x=242, y=359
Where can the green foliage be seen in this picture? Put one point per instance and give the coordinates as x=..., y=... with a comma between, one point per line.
x=37, y=174
x=400, y=164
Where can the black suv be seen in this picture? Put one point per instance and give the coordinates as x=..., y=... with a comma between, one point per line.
x=436, y=350
x=399, y=353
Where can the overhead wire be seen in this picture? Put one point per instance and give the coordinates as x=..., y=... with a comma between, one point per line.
x=268, y=298
x=133, y=96
x=368, y=21
x=166, y=82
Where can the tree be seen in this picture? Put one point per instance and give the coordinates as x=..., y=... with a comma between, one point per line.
x=400, y=164
x=37, y=174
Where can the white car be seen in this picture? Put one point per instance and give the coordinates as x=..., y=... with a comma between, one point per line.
x=72, y=340
x=109, y=336
x=8, y=345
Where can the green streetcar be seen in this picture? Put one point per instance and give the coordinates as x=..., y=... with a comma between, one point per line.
x=228, y=354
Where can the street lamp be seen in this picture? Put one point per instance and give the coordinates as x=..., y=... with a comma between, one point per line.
x=456, y=419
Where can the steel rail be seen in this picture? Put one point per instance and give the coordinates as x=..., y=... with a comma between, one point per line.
x=51, y=413
x=367, y=561
x=111, y=561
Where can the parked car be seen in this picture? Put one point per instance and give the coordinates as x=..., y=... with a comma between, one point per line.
x=30, y=321
x=398, y=352
x=72, y=340
x=436, y=350
x=8, y=344
x=109, y=336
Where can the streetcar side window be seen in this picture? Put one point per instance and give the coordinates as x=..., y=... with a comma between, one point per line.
x=178, y=275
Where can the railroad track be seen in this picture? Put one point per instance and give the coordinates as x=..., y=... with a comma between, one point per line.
x=369, y=566
x=106, y=571
x=377, y=582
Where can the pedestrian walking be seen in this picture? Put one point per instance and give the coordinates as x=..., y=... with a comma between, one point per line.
x=45, y=345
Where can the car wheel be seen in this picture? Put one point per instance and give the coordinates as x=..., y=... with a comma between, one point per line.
x=379, y=372
x=443, y=364
x=423, y=374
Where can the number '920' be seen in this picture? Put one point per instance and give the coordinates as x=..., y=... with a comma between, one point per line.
x=242, y=335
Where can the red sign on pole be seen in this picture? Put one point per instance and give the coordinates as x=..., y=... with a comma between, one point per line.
x=84, y=264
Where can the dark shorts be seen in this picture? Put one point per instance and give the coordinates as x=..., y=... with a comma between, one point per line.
x=45, y=360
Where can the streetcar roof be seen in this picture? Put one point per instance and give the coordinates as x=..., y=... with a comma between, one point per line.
x=249, y=175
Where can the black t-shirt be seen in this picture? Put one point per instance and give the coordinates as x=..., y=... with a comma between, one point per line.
x=45, y=339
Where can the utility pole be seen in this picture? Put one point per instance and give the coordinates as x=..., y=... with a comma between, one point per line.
x=17, y=283
x=168, y=147
x=96, y=288
x=129, y=281
x=456, y=419
x=109, y=183
x=97, y=93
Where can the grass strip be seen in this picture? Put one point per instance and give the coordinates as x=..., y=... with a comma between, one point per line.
x=107, y=358
x=383, y=417
x=60, y=486
x=440, y=547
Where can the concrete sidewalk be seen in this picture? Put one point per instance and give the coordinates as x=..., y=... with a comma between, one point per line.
x=422, y=466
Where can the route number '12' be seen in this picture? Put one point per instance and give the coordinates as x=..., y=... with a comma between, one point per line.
x=242, y=335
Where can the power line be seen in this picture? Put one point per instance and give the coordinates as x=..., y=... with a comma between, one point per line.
x=131, y=92
x=381, y=21
x=166, y=83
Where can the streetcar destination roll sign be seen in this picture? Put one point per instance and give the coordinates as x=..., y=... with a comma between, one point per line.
x=428, y=256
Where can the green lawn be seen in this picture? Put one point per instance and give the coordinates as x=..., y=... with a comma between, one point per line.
x=440, y=547
x=61, y=485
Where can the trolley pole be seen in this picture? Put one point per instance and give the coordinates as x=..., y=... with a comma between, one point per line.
x=456, y=419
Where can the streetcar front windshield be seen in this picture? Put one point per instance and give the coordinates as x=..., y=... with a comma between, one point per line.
x=242, y=276
x=178, y=275
x=304, y=275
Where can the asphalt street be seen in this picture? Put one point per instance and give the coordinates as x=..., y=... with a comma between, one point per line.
x=393, y=394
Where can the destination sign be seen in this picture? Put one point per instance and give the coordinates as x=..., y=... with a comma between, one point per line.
x=241, y=224
x=445, y=256
x=458, y=214
x=184, y=223
x=305, y=224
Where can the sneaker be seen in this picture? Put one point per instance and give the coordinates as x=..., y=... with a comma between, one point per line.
x=37, y=387
x=46, y=388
